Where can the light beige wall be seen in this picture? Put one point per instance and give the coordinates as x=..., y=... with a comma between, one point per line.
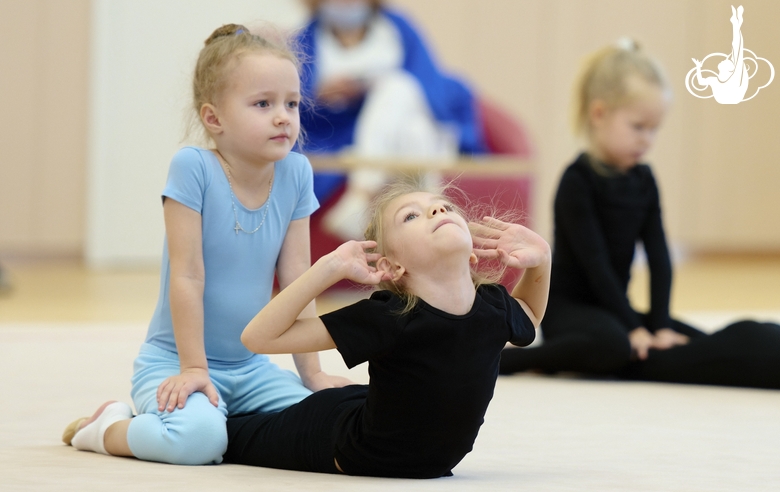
x=143, y=55
x=43, y=92
x=733, y=158
x=717, y=165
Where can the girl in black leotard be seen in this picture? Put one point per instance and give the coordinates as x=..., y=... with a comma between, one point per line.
x=606, y=202
x=432, y=338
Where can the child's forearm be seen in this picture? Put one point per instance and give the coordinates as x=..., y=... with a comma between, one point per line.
x=533, y=289
x=307, y=364
x=187, y=316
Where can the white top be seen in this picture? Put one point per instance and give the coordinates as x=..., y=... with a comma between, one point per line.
x=380, y=51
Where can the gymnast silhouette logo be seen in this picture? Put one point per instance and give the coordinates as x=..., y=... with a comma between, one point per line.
x=730, y=84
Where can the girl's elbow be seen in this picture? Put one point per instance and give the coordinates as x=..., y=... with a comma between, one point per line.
x=251, y=344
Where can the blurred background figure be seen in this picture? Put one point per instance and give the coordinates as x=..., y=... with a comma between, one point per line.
x=375, y=91
x=607, y=202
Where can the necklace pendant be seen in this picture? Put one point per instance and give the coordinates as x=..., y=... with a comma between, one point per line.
x=238, y=227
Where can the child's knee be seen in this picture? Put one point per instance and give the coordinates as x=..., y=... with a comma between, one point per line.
x=202, y=445
x=200, y=434
x=193, y=435
x=753, y=337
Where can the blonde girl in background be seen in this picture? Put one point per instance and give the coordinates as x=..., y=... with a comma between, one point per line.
x=235, y=216
x=432, y=338
x=606, y=202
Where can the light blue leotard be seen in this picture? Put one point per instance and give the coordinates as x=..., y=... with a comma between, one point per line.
x=239, y=270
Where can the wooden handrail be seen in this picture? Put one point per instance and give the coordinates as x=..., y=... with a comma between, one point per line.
x=490, y=165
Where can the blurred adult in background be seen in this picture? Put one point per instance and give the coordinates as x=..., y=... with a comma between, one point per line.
x=375, y=91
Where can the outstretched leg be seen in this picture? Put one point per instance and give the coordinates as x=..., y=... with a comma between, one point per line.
x=741, y=354
x=577, y=337
x=736, y=34
x=301, y=437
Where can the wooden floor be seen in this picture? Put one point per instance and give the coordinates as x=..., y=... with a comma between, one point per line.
x=66, y=291
x=68, y=338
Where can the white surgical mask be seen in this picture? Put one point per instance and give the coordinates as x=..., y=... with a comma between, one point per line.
x=345, y=17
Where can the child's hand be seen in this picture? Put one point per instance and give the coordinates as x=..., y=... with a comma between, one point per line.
x=322, y=380
x=666, y=338
x=641, y=341
x=341, y=91
x=512, y=244
x=174, y=391
x=353, y=262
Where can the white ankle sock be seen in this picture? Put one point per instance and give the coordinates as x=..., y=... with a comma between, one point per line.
x=90, y=438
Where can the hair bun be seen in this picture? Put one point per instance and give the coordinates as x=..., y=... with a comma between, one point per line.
x=626, y=43
x=226, y=30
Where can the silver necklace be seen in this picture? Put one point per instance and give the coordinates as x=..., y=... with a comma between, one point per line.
x=233, y=200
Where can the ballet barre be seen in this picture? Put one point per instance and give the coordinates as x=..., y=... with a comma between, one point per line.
x=481, y=166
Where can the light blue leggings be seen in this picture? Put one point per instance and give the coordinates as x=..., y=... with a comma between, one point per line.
x=196, y=434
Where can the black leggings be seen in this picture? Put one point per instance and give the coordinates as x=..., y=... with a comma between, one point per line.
x=584, y=338
x=301, y=437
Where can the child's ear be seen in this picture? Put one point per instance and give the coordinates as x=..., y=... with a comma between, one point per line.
x=597, y=111
x=210, y=119
x=473, y=259
x=394, y=270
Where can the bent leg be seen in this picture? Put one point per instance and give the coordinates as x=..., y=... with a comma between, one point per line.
x=396, y=121
x=193, y=435
x=741, y=354
x=577, y=337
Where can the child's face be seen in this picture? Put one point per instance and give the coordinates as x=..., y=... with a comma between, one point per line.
x=420, y=228
x=622, y=135
x=258, y=107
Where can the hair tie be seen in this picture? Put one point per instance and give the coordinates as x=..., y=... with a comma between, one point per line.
x=627, y=44
x=239, y=31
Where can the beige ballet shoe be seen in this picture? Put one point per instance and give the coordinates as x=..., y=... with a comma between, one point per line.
x=71, y=430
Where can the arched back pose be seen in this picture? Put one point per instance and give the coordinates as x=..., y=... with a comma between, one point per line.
x=432, y=338
x=607, y=201
x=235, y=216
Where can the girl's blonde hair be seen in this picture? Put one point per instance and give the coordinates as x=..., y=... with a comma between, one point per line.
x=218, y=56
x=607, y=75
x=481, y=274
